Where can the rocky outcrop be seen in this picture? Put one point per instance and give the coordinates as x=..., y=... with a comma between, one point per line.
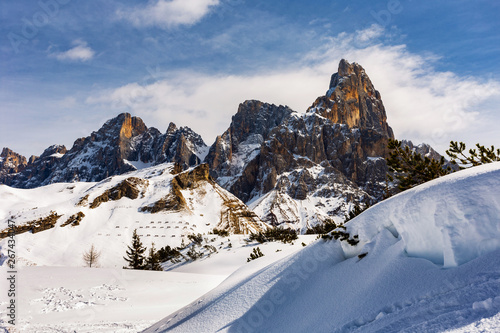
x=74, y=220
x=174, y=200
x=41, y=224
x=128, y=188
x=10, y=163
x=235, y=216
x=121, y=145
x=190, y=179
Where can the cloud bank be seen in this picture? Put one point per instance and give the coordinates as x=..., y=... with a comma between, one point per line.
x=168, y=13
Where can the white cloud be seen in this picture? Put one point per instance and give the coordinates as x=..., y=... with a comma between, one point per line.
x=422, y=104
x=371, y=33
x=168, y=13
x=80, y=52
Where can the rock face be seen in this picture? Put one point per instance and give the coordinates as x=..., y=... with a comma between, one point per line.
x=10, y=163
x=121, y=145
x=352, y=100
x=302, y=169
x=234, y=216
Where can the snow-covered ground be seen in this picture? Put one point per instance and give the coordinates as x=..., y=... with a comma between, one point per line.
x=78, y=299
x=428, y=260
x=72, y=299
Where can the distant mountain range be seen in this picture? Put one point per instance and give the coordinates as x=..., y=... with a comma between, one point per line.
x=294, y=169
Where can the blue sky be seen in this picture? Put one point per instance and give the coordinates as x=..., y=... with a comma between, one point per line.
x=67, y=65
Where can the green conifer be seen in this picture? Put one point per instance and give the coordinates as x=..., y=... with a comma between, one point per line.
x=135, y=253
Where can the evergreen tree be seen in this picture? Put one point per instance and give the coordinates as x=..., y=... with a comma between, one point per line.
x=474, y=158
x=411, y=168
x=152, y=261
x=135, y=253
x=255, y=254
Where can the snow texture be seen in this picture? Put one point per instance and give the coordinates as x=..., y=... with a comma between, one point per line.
x=428, y=261
x=449, y=221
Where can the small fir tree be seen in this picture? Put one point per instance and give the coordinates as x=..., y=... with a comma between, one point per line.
x=256, y=253
x=135, y=253
x=193, y=254
x=153, y=261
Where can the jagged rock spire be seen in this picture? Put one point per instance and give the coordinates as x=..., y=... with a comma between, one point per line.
x=352, y=100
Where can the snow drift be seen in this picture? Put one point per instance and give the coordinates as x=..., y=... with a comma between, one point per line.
x=449, y=221
x=428, y=260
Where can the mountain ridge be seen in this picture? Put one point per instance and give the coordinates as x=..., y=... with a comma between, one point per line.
x=110, y=151
x=295, y=169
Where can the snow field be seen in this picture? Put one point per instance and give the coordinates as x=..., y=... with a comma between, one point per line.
x=109, y=226
x=64, y=299
x=68, y=299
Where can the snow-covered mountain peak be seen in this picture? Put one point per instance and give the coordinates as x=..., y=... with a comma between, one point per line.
x=122, y=144
x=271, y=149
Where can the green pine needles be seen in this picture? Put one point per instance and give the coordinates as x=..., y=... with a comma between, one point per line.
x=475, y=157
x=411, y=168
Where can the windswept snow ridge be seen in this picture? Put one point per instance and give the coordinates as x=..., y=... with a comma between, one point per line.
x=449, y=221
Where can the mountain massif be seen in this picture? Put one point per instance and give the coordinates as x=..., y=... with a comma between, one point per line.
x=294, y=169
x=121, y=145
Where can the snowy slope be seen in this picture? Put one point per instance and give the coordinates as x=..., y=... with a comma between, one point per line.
x=77, y=299
x=428, y=260
x=329, y=199
x=109, y=226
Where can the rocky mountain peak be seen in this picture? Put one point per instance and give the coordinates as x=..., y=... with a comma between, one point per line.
x=346, y=69
x=256, y=118
x=123, y=125
x=353, y=100
x=54, y=151
x=10, y=154
x=122, y=144
x=250, y=126
x=287, y=164
x=172, y=128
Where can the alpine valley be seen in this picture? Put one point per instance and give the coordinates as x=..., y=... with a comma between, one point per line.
x=431, y=252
